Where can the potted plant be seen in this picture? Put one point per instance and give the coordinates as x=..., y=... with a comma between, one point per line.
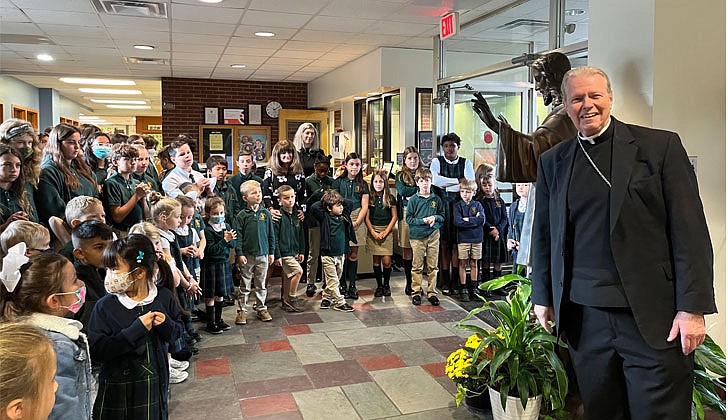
x=709, y=357
x=460, y=368
x=516, y=359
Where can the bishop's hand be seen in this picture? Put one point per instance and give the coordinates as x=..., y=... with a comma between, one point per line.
x=480, y=106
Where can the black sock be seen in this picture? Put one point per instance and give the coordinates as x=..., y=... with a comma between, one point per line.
x=218, y=312
x=344, y=273
x=210, y=315
x=497, y=273
x=378, y=274
x=387, y=274
x=455, y=278
x=408, y=272
x=353, y=266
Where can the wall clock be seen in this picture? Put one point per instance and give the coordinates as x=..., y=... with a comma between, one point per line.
x=273, y=109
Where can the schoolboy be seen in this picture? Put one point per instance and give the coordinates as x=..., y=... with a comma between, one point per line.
x=142, y=173
x=425, y=216
x=217, y=168
x=124, y=197
x=333, y=214
x=78, y=210
x=246, y=166
x=316, y=184
x=468, y=218
x=256, y=251
x=290, y=248
x=89, y=242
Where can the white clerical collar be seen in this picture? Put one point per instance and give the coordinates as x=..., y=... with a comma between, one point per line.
x=590, y=139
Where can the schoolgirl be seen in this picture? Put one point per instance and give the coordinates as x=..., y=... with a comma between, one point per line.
x=44, y=289
x=380, y=220
x=14, y=198
x=351, y=186
x=495, y=230
x=130, y=331
x=406, y=187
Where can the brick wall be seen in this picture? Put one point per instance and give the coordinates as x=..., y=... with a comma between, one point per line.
x=191, y=96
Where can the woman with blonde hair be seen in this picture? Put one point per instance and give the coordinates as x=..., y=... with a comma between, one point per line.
x=308, y=144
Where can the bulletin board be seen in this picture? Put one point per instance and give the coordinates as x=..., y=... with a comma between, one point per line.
x=216, y=140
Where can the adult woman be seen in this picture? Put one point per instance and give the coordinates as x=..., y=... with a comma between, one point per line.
x=95, y=153
x=308, y=145
x=406, y=188
x=284, y=169
x=64, y=175
x=20, y=135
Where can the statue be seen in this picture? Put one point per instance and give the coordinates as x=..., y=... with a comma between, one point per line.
x=518, y=153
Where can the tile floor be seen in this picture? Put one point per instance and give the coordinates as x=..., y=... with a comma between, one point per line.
x=385, y=360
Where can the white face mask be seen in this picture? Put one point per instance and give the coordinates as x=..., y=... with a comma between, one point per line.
x=118, y=282
x=192, y=195
x=152, y=153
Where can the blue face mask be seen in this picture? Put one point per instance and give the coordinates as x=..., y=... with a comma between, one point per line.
x=102, y=152
x=216, y=220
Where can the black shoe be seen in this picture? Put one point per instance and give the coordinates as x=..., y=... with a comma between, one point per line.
x=342, y=290
x=464, y=297
x=194, y=350
x=344, y=307
x=352, y=293
x=223, y=325
x=387, y=291
x=417, y=300
x=378, y=292
x=228, y=301
x=408, y=290
x=434, y=301
x=196, y=336
x=310, y=290
x=325, y=304
x=213, y=329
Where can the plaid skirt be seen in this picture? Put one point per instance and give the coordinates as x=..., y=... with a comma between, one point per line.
x=133, y=394
x=217, y=279
x=494, y=251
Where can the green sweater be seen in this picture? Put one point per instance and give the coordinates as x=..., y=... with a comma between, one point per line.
x=237, y=180
x=315, y=189
x=289, y=231
x=52, y=195
x=217, y=249
x=255, y=232
x=420, y=207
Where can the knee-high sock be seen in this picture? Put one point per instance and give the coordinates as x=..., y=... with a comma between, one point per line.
x=218, y=311
x=378, y=274
x=351, y=273
x=210, y=315
x=387, y=274
x=407, y=272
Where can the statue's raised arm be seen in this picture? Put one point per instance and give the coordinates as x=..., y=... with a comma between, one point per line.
x=518, y=153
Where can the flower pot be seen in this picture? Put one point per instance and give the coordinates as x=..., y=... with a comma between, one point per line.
x=514, y=410
x=479, y=403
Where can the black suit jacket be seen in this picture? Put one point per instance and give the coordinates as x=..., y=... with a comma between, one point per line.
x=658, y=233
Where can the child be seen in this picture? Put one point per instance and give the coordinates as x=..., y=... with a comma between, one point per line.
x=28, y=377
x=124, y=196
x=16, y=201
x=79, y=209
x=425, y=216
x=130, y=331
x=290, y=248
x=380, y=220
x=246, y=166
x=332, y=213
x=181, y=155
x=144, y=172
x=36, y=237
x=187, y=238
x=406, y=187
x=89, y=242
x=496, y=224
x=316, y=185
x=217, y=169
x=352, y=187
x=516, y=215
x=256, y=252
x=217, y=278
x=44, y=290
x=468, y=217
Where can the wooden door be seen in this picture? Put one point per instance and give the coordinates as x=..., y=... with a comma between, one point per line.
x=290, y=119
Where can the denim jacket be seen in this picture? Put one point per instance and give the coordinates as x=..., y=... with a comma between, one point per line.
x=76, y=384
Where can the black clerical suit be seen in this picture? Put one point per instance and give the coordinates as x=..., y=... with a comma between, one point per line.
x=617, y=263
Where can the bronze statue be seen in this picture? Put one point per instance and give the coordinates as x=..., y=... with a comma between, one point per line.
x=518, y=153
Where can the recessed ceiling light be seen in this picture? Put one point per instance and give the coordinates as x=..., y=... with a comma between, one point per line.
x=119, y=101
x=87, y=81
x=144, y=47
x=265, y=34
x=44, y=57
x=111, y=91
x=574, y=12
x=237, y=66
x=211, y=1
x=129, y=106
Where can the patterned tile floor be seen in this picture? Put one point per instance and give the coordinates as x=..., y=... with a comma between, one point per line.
x=385, y=360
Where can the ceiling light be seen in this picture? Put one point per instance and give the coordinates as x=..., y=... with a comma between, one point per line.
x=265, y=34
x=211, y=1
x=574, y=12
x=44, y=57
x=87, y=81
x=144, y=47
x=238, y=66
x=111, y=91
x=356, y=98
x=119, y=101
x=129, y=106
x=87, y=117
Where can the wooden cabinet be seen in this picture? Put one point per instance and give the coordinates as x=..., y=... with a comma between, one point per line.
x=27, y=114
x=70, y=121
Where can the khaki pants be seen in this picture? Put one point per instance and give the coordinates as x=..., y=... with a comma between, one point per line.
x=314, y=250
x=425, y=250
x=332, y=267
x=257, y=266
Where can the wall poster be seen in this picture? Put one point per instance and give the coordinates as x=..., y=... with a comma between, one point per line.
x=216, y=140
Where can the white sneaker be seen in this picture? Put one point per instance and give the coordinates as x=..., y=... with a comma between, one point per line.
x=177, y=376
x=179, y=365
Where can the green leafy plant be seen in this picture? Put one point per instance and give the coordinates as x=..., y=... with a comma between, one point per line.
x=522, y=360
x=709, y=357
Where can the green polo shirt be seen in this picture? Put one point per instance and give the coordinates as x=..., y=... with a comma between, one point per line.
x=237, y=180
x=117, y=191
x=351, y=190
x=337, y=237
x=256, y=233
x=378, y=214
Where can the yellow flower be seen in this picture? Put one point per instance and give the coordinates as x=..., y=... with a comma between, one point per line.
x=473, y=341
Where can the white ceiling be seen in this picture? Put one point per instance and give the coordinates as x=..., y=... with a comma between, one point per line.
x=200, y=40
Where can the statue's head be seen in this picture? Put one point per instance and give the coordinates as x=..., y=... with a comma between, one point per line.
x=548, y=71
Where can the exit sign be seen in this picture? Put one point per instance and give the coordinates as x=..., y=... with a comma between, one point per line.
x=449, y=25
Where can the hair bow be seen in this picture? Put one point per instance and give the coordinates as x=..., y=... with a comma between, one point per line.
x=10, y=274
x=140, y=257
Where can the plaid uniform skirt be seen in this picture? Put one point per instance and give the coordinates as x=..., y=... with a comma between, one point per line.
x=133, y=394
x=494, y=251
x=217, y=279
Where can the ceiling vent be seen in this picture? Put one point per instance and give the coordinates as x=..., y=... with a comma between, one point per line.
x=145, y=60
x=138, y=8
x=528, y=24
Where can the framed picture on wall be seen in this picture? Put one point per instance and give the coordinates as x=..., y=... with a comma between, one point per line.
x=216, y=140
x=234, y=116
x=254, y=139
x=211, y=115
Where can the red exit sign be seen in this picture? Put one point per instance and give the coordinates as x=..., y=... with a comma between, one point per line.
x=449, y=25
